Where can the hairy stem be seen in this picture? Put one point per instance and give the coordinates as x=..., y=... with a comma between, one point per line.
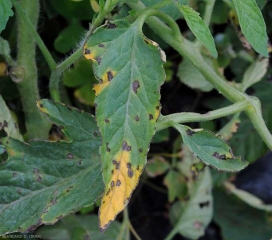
x=189, y=51
x=185, y=117
x=37, y=125
x=30, y=27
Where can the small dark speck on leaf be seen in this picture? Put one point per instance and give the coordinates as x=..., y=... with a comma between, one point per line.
x=87, y=51
x=98, y=59
x=137, y=118
x=118, y=183
x=5, y=124
x=112, y=184
x=101, y=45
x=125, y=146
x=150, y=116
x=130, y=173
x=110, y=76
x=141, y=150
x=107, y=120
x=204, y=204
x=14, y=174
x=190, y=132
x=135, y=86
x=70, y=156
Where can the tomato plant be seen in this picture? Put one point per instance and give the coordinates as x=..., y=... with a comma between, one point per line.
x=124, y=95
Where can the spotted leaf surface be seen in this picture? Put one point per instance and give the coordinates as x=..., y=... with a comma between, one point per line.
x=211, y=149
x=42, y=182
x=130, y=73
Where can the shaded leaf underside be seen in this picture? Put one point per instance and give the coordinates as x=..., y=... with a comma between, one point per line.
x=129, y=69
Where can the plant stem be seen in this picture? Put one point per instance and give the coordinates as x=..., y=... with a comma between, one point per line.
x=57, y=72
x=30, y=28
x=185, y=117
x=208, y=11
x=189, y=51
x=37, y=125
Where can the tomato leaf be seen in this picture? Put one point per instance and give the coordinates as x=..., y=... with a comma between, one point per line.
x=129, y=68
x=211, y=149
x=252, y=24
x=42, y=182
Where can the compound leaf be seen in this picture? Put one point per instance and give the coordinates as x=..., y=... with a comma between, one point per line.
x=129, y=68
x=43, y=181
x=252, y=24
x=211, y=149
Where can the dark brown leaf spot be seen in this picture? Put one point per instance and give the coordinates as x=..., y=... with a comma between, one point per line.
x=103, y=202
x=101, y=45
x=204, y=204
x=39, y=178
x=141, y=150
x=95, y=134
x=130, y=173
x=36, y=170
x=110, y=25
x=112, y=184
x=112, y=171
x=70, y=156
x=98, y=59
x=33, y=227
x=54, y=201
x=118, y=183
x=117, y=165
x=221, y=157
x=108, y=192
x=14, y=174
x=110, y=76
x=114, y=161
x=190, y=132
x=128, y=165
x=150, y=117
x=107, y=120
x=107, y=146
x=80, y=162
x=135, y=86
x=158, y=107
x=138, y=168
x=87, y=51
x=5, y=124
x=19, y=191
x=137, y=118
x=125, y=146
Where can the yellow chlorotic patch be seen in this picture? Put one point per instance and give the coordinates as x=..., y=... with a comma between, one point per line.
x=106, y=78
x=88, y=54
x=123, y=181
x=41, y=107
x=157, y=114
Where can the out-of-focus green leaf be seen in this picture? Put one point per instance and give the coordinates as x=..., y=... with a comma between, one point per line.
x=220, y=12
x=5, y=13
x=237, y=220
x=69, y=9
x=254, y=73
x=157, y=166
x=198, y=28
x=4, y=47
x=248, y=198
x=210, y=149
x=190, y=76
x=79, y=227
x=191, y=218
x=85, y=94
x=176, y=185
x=169, y=9
x=42, y=182
x=129, y=68
x=69, y=37
x=7, y=122
x=261, y=3
x=2, y=149
x=161, y=136
x=252, y=24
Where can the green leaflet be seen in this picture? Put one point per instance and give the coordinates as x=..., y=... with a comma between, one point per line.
x=129, y=68
x=252, y=24
x=5, y=13
x=7, y=121
x=199, y=28
x=43, y=181
x=210, y=149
